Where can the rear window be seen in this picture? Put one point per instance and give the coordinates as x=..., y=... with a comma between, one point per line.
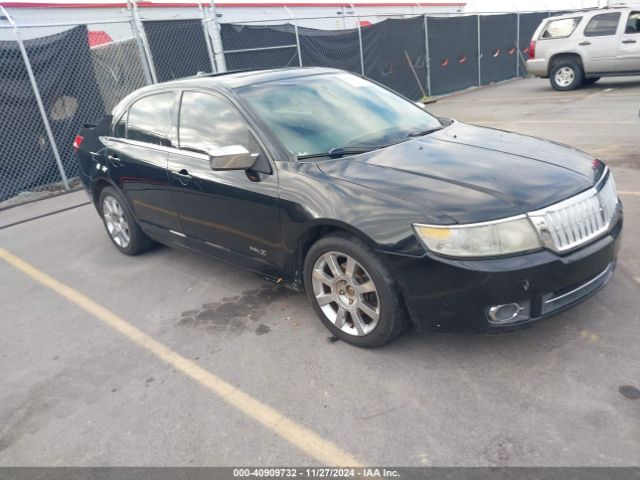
x=561, y=28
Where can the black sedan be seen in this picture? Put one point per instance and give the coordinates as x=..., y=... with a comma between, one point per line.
x=383, y=214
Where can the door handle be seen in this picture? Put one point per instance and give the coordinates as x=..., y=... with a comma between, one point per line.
x=182, y=176
x=628, y=41
x=114, y=160
x=584, y=44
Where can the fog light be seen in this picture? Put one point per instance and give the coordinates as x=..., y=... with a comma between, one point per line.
x=507, y=313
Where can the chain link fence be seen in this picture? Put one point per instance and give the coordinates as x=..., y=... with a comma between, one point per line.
x=54, y=77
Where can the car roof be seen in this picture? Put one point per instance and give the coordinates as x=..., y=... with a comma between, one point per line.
x=250, y=77
x=230, y=80
x=595, y=11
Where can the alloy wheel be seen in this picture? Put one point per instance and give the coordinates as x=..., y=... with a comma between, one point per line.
x=346, y=293
x=116, y=223
x=565, y=76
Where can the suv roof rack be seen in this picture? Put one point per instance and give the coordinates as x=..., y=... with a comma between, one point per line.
x=619, y=5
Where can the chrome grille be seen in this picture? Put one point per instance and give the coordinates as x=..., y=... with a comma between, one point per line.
x=580, y=219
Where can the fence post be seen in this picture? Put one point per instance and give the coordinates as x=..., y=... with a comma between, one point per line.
x=518, y=47
x=207, y=40
x=361, y=51
x=295, y=27
x=218, y=48
x=479, y=55
x=427, y=57
x=141, y=40
x=36, y=93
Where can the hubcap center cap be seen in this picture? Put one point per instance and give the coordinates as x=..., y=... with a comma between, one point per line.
x=345, y=293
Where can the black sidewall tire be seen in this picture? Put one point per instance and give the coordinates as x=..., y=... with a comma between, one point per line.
x=392, y=320
x=138, y=240
x=578, y=77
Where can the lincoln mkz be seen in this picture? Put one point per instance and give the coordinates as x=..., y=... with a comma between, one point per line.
x=385, y=215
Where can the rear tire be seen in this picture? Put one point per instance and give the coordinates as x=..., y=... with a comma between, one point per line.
x=121, y=226
x=352, y=292
x=566, y=75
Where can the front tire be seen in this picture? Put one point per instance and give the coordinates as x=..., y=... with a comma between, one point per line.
x=566, y=75
x=121, y=226
x=352, y=292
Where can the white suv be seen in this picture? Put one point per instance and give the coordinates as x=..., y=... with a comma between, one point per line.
x=578, y=48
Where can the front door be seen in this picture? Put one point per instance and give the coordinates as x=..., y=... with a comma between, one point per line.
x=598, y=45
x=629, y=45
x=231, y=214
x=137, y=158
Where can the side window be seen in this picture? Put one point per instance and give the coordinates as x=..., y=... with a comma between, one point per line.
x=150, y=119
x=562, y=28
x=633, y=23
x=207, y=121
x=602, y=25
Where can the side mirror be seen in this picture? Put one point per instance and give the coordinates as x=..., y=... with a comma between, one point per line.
x=231, y=157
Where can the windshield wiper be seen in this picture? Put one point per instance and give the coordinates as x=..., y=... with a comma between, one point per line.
x=338, y=152
x=421, y=133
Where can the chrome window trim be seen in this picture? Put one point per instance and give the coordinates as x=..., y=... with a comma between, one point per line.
x=160, y=148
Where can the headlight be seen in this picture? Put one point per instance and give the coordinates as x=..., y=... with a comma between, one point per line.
x=502, y=237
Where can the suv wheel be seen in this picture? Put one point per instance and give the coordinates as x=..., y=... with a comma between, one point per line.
x=566, y=75
x=123, y=230
x=352, y=292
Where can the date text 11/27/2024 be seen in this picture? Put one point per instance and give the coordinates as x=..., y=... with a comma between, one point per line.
x=316, y=472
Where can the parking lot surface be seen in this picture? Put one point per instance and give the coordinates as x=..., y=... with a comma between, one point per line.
x=171, y=358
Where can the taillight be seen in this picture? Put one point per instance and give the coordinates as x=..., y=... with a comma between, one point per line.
x=77, y=142
x=532, y=50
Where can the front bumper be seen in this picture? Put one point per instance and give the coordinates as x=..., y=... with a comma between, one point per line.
x=447, y=294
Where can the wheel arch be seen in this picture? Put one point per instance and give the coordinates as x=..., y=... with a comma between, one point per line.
x=98, y=185
x=558, y=57
x=321, y=229
x=315, y=232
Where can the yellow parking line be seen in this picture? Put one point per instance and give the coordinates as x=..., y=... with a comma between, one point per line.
x=622, y=192
x=300, y=437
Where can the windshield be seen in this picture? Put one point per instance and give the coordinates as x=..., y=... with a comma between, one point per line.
x=314, y=115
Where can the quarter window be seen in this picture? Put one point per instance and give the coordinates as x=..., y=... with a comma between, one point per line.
x=633, y=23
x=602, y=25
x=207, y=121
x=150, y=119
x=561, y=28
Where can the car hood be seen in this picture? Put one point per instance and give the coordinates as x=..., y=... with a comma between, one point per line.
x=472, y=174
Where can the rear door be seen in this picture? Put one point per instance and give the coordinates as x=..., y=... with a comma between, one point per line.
x=629, y=45
x=232, y=214
x=137, y=158
x=598, y=44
